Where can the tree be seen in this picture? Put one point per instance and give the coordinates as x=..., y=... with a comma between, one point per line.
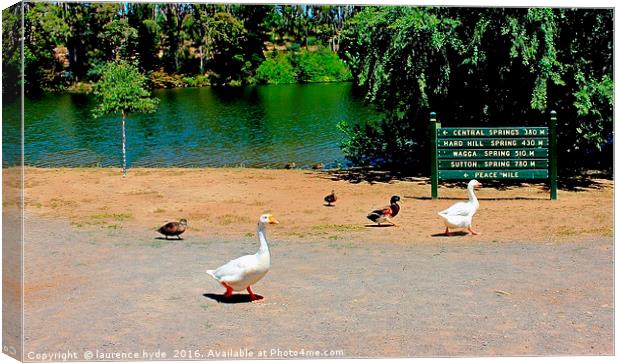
x=121, y=89
x=482, y=67
x=120, y=38
x=44, y=32
x=11, y=55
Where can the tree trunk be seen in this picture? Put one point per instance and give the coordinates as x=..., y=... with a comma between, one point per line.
x=201, y=61
x=123, y=142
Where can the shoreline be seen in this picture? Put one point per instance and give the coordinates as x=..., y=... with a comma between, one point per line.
x=225, y=203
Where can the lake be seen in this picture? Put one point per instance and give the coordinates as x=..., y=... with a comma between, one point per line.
x=254, y=126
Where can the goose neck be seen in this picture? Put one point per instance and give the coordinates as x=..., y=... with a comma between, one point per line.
x=262, y=238
x=472, y=195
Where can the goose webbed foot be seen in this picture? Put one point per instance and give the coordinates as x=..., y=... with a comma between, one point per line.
x=229, y=290
x=253, y=297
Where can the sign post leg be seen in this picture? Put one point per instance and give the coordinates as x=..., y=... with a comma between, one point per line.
x=553, y=157
x=434, y=173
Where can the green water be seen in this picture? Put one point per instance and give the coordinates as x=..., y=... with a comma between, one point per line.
x=259, y=126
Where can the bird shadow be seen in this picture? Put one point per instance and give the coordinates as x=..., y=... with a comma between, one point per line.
x=169, y=239
x=329, y=205
x=452, y=234
x=378, y=225
x=233, y=299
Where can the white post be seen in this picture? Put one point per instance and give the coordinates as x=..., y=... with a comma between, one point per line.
x=123, y=142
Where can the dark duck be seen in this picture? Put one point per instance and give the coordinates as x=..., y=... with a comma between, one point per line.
x=387, y=213
x=331, y=198
x=173, y=228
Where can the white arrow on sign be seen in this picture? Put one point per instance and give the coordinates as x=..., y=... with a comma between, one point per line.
x=445, y=133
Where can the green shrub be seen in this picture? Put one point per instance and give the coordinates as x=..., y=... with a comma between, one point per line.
x=161, y=79
x=196, y=81
x=321, y=66
x=276, y=70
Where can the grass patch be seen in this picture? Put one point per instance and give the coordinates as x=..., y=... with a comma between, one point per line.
x=339, y=227
x=56, y=203
x=570, y=231
x=118, y=217
x=342, y=246
x=605, y=231
x=228, y=219
x=567, y=231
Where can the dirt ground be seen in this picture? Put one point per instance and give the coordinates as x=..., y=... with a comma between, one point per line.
x=538, y=281
x=226, y=203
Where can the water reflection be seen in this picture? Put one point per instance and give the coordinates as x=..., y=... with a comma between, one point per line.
x=261, y=126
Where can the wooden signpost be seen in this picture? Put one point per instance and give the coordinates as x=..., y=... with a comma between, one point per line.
x=497, y=153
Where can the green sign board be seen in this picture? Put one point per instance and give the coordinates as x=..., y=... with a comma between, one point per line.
x=493, y=164
x=494, y=153
x=493, y=132
x=492, y=143
x=494, y=174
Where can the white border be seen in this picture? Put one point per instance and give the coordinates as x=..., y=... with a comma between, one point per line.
x=465, y=3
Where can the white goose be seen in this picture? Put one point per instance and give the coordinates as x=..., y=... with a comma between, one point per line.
x=241, y=273
x=460, y=214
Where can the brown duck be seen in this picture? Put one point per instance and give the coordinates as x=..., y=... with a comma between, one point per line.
x=331, y=198
x=173, y=228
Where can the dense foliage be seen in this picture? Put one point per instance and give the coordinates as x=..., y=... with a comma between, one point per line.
x=122, y=89
x=474, y=67
x=491, y=66
x=305, y=66
x=175, y=44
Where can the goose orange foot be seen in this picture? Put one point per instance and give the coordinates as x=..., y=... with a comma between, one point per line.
x=253, y=297
x=229, y=290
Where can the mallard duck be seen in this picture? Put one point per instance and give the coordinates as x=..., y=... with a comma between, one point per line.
x=241, y=273
x=318, y=166
x=173, y=228
x=289, y=166
x=387, y=213
x=331, y=198
x=460, y=214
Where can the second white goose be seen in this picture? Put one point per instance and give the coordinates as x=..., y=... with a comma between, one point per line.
x=460, y=214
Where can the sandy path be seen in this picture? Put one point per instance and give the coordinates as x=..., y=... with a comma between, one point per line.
x=225, y=203
x=538, y=281
x=114, y=290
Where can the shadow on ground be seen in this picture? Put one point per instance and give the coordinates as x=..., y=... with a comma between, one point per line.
x=583, y=182
x=368, y=175
x=234, y=299
x=452, y=234
x=378, y=225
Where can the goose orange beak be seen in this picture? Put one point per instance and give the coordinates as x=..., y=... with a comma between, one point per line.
x=272, y=220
